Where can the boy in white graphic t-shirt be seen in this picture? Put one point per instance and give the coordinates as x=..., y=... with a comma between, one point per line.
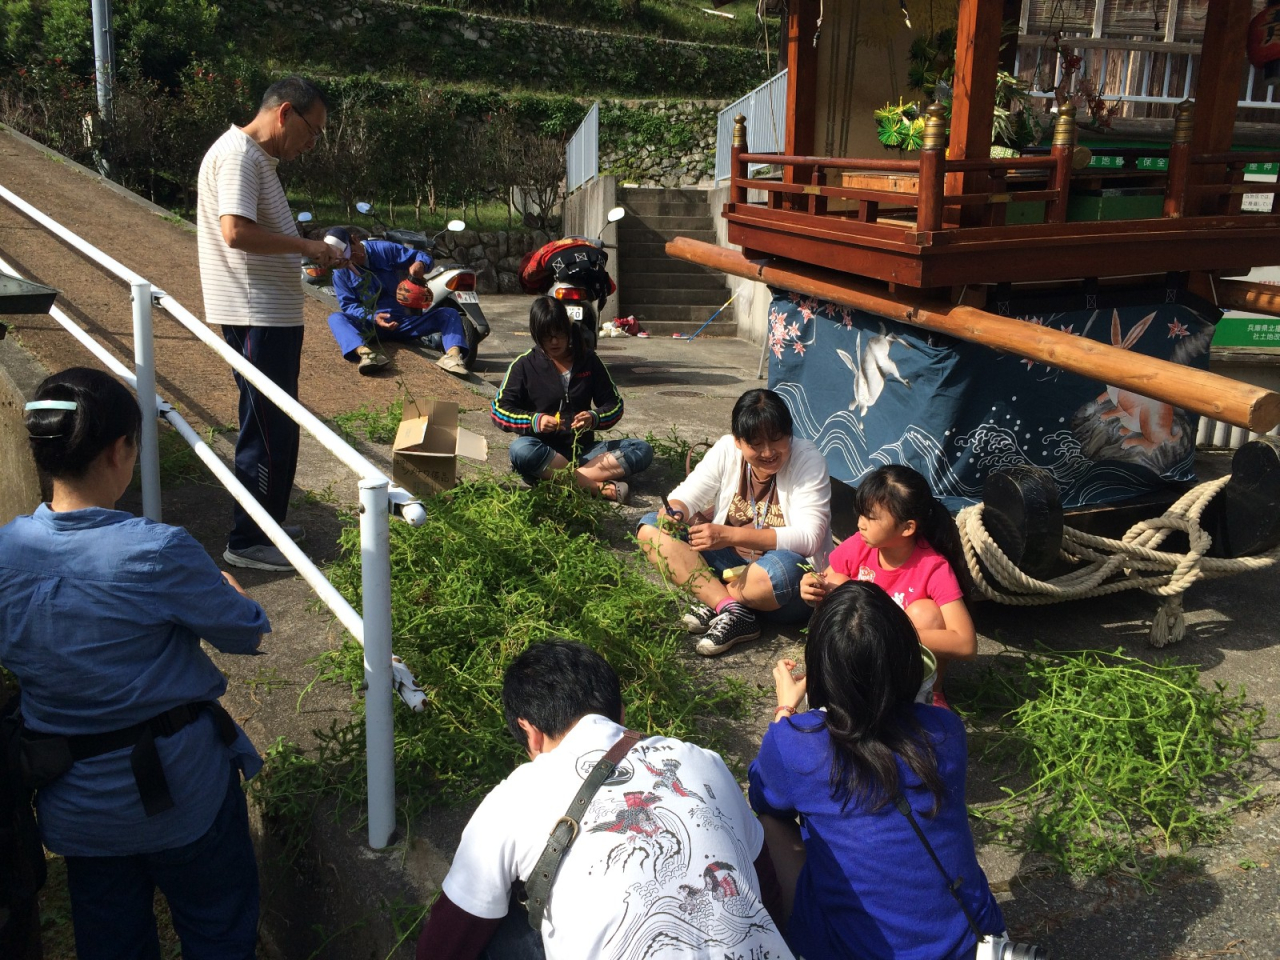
x=669, y=860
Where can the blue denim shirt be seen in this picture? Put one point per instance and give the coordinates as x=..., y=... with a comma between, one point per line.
x=101, y=616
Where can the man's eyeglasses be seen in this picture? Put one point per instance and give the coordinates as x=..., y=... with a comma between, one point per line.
x=315, y=133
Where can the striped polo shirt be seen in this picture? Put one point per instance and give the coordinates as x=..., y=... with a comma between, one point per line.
x=245, y=289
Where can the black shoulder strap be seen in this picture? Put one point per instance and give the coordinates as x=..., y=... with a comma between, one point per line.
x=953, y=886
x=565, y=830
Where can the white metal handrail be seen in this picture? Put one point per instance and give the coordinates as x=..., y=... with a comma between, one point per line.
x=373, y=630
x=765, y=108
x=582, y=152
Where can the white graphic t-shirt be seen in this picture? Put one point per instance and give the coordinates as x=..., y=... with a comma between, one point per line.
x=663, y=866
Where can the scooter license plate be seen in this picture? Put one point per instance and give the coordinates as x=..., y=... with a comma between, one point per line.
x=575, y=313
x=466, y=296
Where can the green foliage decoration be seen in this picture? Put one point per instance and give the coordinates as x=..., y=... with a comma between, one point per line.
x=1120, y=765
x=900, y=127
x=931, y=71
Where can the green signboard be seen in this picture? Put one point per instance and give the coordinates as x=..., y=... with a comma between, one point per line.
x=1250, y=332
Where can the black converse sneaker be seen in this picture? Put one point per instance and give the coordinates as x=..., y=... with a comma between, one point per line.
x=698, y=618
x=731, y=627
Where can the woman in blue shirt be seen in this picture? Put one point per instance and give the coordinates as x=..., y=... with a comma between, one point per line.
x=101, y=619
x=865, y=887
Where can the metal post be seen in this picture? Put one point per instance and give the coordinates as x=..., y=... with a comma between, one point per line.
x=145, y=370
x=375, y=567
x=104, y=56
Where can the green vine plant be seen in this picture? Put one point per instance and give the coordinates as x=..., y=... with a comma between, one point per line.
x=495, y=567
x=1112, y=765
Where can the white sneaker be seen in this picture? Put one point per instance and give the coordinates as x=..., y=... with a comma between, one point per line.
x=370, y=360
x=453, y=363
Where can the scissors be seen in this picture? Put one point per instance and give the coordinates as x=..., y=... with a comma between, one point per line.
x=675, y=515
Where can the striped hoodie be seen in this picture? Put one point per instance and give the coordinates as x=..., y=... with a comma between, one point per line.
x=533, y=385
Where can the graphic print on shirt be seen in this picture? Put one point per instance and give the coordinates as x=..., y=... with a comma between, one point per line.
x=675, y=905
x=668, y=778
x=866, y=574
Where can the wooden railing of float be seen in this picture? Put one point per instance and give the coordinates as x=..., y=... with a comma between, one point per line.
x=1195, y=185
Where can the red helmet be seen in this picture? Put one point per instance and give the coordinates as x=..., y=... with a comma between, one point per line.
x=414, y=295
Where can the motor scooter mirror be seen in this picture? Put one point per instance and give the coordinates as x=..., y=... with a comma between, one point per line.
x=456, y=226
x=616, y=214
x=364, y=207
x=304, y=217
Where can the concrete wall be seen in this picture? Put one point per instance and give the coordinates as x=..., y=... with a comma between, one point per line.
x=584, y=215
x=20, y=491
x=751, y=308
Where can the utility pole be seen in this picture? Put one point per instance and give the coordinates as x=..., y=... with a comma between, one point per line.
x=104, y=65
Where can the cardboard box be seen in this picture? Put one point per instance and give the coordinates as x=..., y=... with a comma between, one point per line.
x=424, y=458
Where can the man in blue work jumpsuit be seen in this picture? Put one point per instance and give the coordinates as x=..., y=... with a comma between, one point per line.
x=369, y=313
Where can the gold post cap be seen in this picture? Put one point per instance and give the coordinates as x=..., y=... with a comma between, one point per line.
x=739, y=131
x=1064, y=128
x=935, y=128
x=1184, y=114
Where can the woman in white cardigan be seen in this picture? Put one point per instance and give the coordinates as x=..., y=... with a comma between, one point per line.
x=758, y=506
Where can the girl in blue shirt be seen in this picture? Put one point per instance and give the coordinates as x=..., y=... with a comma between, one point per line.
x=864, y=885
x=101, y=619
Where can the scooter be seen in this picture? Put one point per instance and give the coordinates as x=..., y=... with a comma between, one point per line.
x=449, y=285
x=313, y=275
x=582, y=283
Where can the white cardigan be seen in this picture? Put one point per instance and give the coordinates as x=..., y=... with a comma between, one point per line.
x=804, y=494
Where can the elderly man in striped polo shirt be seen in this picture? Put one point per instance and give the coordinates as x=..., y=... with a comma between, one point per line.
x=250, y=258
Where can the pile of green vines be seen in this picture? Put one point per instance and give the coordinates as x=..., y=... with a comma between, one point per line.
x=495, y=568
x=1128, y=763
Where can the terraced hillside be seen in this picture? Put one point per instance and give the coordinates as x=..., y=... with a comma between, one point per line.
x=589, y=50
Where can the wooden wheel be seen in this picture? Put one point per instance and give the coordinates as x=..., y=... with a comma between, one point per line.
x=1023, y=515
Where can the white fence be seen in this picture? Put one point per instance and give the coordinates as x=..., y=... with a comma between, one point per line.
x=765, y=108
x=1131, y=71
x=378, y=497
x=582, y=153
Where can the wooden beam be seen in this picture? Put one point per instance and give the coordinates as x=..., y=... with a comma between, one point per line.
x=802, y=81
x=1198, y=391
x=1247, y=295
x=974, y=94
x=1222, y=55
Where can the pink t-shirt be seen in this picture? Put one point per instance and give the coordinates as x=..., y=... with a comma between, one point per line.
x=925, y=574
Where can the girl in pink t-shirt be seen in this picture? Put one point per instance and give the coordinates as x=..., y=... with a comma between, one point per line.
x=907, y=544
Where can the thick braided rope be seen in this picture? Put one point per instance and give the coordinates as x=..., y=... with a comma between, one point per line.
x=1131, y=563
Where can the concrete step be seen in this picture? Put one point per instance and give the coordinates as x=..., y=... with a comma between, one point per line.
x=673, y=312
x=653, y=207
x=657, y=279
x=656, y=247
x=663, y=224
x=664, y=265
x=669, y=194
x=665, y=328
x=688, y=296
x=642, y=233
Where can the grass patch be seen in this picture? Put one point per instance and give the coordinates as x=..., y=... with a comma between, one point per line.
x=490, y=217
x=495, y=568
x=178, y=461
x=370, y=423
x=1127, y=763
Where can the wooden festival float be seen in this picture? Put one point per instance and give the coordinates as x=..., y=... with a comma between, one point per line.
x=1029, y=364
